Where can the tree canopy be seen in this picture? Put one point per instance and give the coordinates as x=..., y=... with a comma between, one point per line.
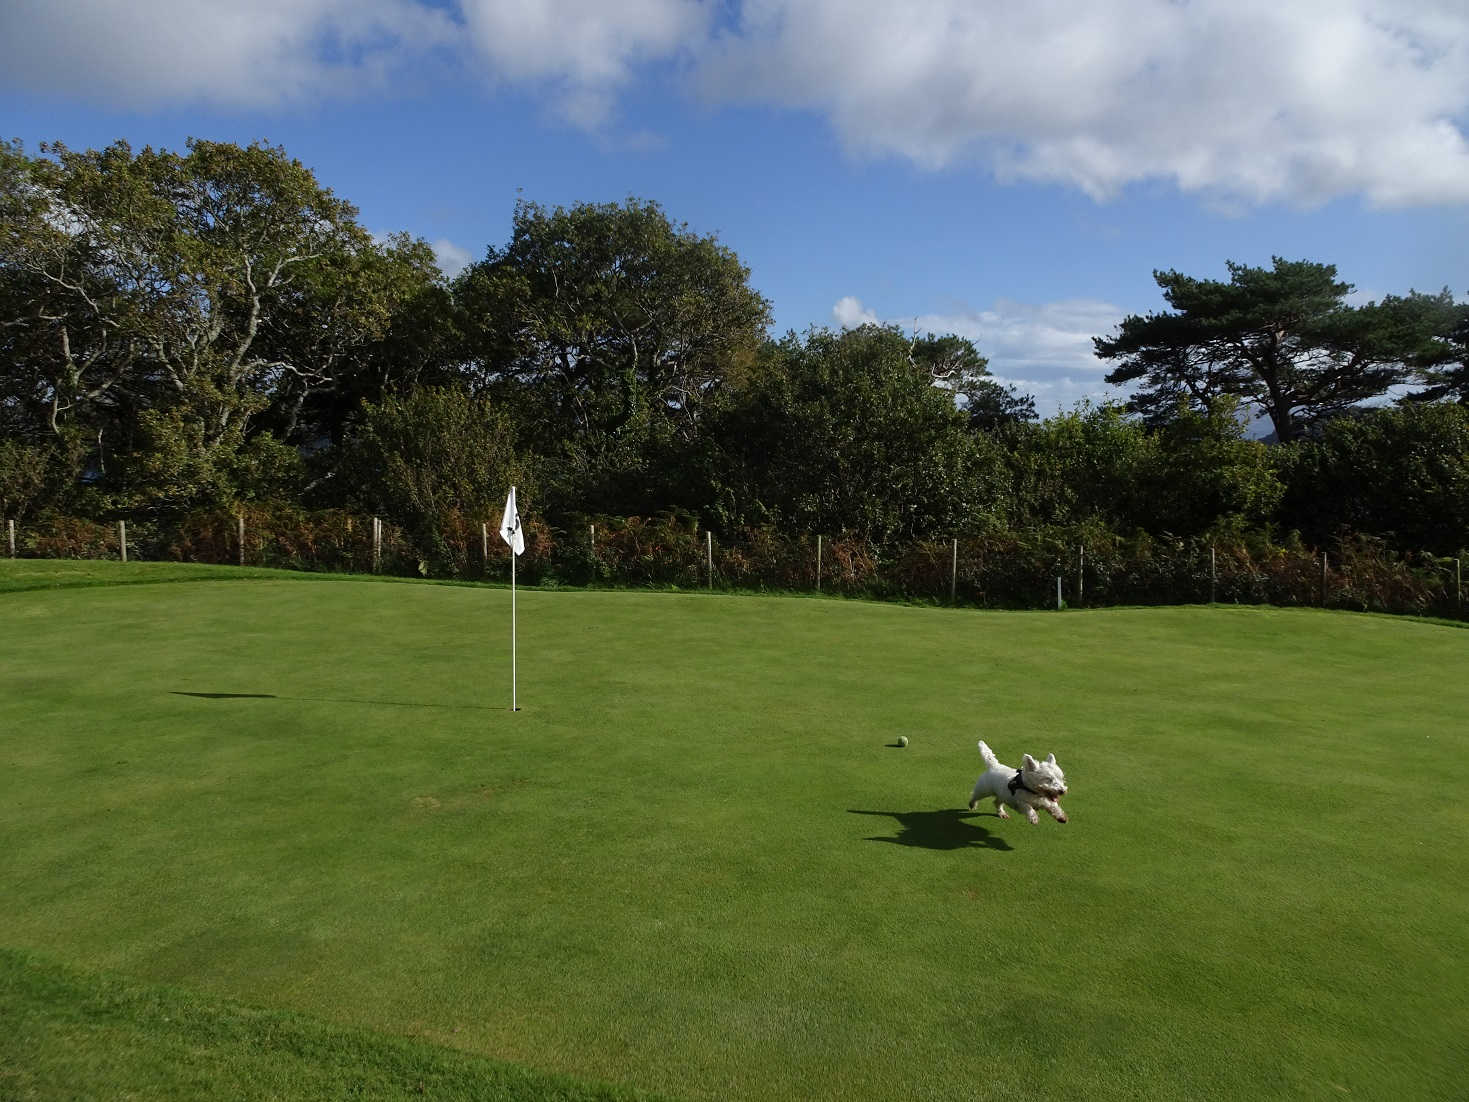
x=213, y=329
x=1283, y=338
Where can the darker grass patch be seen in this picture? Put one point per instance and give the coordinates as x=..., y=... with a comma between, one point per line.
x=74, y=1034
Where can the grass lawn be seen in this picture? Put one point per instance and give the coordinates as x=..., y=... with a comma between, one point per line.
x=693, y=864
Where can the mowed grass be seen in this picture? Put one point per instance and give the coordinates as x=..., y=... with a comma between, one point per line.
x=694, y=864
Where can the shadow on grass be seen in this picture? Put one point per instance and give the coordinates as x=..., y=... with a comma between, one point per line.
x=945, y=829
x=330, y=700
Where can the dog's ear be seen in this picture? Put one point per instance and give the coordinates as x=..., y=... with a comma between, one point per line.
x=1031, y=763
x=1050, y=759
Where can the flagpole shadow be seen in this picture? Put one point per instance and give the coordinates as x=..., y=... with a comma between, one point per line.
x=335, y=700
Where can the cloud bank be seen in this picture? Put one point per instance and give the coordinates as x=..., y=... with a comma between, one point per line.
x=1237, y=101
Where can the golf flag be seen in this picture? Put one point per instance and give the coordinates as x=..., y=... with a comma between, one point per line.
x=510, y=532
x=510, y=525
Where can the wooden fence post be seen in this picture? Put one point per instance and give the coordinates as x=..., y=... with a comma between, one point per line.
x=1058, y=592
x=10, y=531
x=377, y=544
x=818, y=564
x=241, y=537
x=1080, y=573
x=122, y=538
x=709, y=554
x=484, y=545
x=594, y=541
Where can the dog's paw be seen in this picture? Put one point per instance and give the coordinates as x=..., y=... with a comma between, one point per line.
x=1003, y=813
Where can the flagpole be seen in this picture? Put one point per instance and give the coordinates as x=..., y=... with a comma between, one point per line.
x=510, y=532
x=514, y=702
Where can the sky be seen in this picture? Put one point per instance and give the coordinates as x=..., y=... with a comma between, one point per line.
x=1011, y=172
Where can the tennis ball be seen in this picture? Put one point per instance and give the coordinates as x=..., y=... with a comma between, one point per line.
x=902, y=740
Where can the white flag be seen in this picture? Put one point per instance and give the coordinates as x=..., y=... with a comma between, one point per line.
x=510, y=525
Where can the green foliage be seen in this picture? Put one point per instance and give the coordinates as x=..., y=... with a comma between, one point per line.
x=169, y=301
x=1447, y=375
x=434, y=460
x=608, y=329
x=846, y=433
x=38, y=474
x=177, y=328
x=1283, y=339
x=1400, y=473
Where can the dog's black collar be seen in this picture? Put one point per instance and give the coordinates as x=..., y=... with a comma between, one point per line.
x=1018, y=781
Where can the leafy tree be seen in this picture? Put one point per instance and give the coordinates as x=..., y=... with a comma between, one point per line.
x=1208, y=475
x=847, y=433
x=1398, y=472
x=197, y=289
x=606, y=327
x=430, y=458
x=992, y=407
x=955, y=363
x=1282, y=338
x=1090, y=463
x=1449, y=377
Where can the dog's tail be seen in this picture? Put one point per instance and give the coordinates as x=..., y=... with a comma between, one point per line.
x=990, y=761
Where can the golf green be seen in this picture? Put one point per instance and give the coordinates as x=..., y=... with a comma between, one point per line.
x=696, y=862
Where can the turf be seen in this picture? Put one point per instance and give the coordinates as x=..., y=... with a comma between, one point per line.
x=695, y=864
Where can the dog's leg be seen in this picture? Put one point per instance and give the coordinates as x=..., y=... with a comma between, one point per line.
x=1031, y=815
x=1000, y=808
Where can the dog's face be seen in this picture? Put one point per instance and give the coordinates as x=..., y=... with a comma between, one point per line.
x=1044, y=777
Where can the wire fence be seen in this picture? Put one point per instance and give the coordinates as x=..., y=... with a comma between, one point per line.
x=1046, y=568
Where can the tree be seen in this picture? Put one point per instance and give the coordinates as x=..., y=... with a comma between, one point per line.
x=1448, y=379
x=433, y=459
x=954, y=363
x=174, y=298
x=605, y=325
x=1283, y=339
x=846, y=433
x=1400, y=473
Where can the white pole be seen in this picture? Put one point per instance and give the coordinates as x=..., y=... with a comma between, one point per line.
x=514, y=701
x=10, y=529
x=1058, y=592
x=122, y=538
x=818, y=564
x=954, y=574
x=709, y=550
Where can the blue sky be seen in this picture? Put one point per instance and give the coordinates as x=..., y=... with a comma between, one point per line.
x=1010, y=172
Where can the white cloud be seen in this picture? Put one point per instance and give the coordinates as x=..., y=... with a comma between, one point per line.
x=1251, y=100
x=452, y=259
x=1238, y=101
x=582, y=51
x=850, y=313
x=266, y=53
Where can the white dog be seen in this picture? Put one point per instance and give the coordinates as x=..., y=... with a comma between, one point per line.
x=1036, y=784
